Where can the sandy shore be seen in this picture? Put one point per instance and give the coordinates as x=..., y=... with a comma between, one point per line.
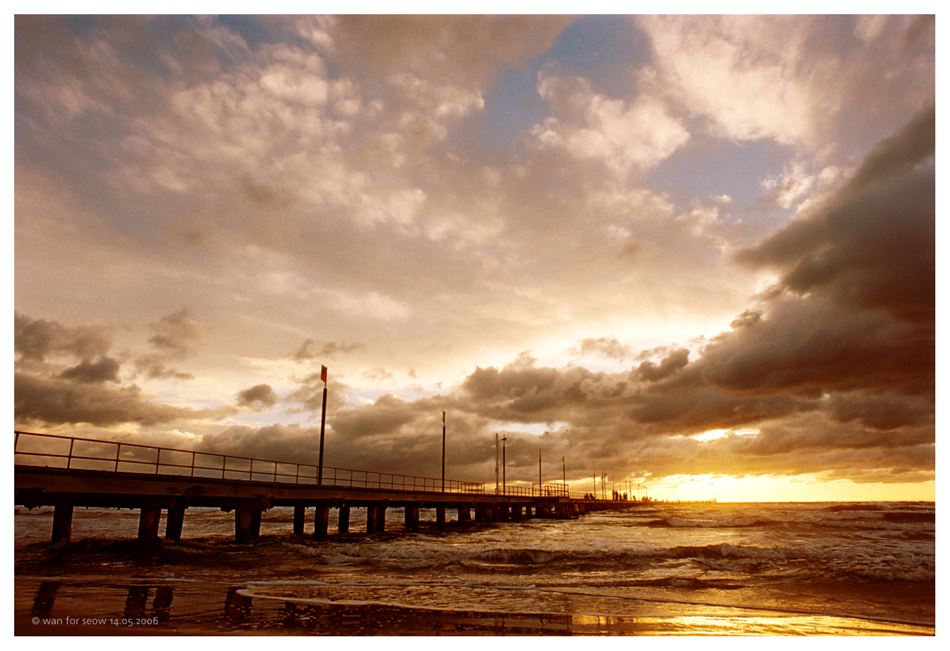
x=77, y=607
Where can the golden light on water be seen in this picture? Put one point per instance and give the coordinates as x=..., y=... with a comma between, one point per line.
x=801, y=488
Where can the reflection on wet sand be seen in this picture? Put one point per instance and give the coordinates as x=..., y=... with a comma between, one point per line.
x=148, y=609
x=241, y=613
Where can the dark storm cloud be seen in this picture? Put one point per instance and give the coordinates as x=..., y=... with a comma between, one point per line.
x=49, y=392
x=277, y=442
x=801, y=343
x=526, y=393
x=389, y=435
x=258, y=396
x=38, y=339
x=873, y=244
x=52, y=401
x=104, y=369
x=669, y=365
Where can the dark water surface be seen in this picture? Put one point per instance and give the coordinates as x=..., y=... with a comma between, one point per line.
x=659, y=569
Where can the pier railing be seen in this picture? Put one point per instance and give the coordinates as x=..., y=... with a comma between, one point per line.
x=538, y=490
x=72, y=452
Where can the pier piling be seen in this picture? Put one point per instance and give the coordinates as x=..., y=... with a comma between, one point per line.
x=343, y=524
x=174, y=520
x=412, y=518
x=440, y=517
x=62, y=522
x=247, y=523
x=149, y=517
x=321, y=521
x=300, y=515
x=371, y=518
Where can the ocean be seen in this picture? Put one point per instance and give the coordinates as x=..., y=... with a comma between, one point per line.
x=775, y=569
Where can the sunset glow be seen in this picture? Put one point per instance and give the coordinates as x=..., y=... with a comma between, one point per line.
x=695, y=253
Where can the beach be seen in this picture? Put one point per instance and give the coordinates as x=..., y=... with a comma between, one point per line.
x=657, y=569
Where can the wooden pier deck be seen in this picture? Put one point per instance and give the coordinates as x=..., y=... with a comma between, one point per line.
x=69, y=472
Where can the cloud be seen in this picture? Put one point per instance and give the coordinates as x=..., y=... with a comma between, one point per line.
x=52, y=402
x=39, y=339
x=817, y=371
x=292, y=443
x=324, y=180
x=176, y=334
x=49, y=392
x=606, y=347
x=591, y=126
x=105, y=369
x=750, y=75
x=463, y=50
x=258, y=396
x=669, y=365
x=873, y=244
x=311, y=349
x=792, y=79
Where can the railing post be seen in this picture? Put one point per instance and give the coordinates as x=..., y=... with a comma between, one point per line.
x=118, y=451
x=69, y=461
x=158, y=460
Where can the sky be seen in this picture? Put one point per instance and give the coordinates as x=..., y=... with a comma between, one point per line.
x=691, y=253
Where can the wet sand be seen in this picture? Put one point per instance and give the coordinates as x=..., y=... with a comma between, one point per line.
x=77, y=607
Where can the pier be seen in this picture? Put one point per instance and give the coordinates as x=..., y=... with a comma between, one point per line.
x=67, y=472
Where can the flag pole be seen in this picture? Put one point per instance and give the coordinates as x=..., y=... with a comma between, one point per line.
x=443, y=451
x=323, y=422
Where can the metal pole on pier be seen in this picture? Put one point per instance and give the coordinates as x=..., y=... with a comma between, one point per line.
x=323, y=421
x=443, y=451
x=496, y=463
x=504, y=483
x=540, y=491
x=564, y=475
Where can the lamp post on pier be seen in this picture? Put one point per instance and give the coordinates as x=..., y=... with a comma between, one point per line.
x=443, y=451
x=504, y=482
x=564, y=475
x=323, y=421
x=496, y=464
x=540, y=485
